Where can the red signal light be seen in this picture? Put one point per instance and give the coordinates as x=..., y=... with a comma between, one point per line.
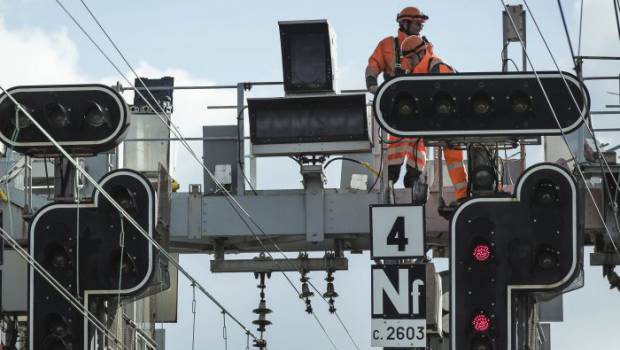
x=482, y=252
x=481, y=322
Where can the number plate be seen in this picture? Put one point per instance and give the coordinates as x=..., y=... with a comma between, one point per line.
x=397, y=231
x=398, y=333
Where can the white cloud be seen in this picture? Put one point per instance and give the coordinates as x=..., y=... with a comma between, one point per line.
x=33, y=56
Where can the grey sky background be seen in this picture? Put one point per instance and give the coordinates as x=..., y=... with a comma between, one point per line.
x=224, y=42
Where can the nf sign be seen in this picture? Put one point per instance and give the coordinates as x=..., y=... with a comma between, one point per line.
x=397, y=231
x=398, y=306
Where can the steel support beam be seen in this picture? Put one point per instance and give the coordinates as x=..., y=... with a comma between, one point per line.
x=279, y=265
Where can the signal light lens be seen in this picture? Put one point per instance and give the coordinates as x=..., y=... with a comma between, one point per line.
x=57, y=115
x=57, y=256
x=444, y=104
x=57, y=325
x=406, y=106
x=482, y=252
x=481, y=103
x=546, y=193
x=481, y=344
x=96, y=116
x=125, y=198
x=484, y=178
x=547, y=258
x=481, y=322
x=20, y=119
x=520, y=102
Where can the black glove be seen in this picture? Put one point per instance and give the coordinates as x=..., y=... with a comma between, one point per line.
x=371, y=84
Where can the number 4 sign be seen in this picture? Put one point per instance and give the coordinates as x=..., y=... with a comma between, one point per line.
x=397, y=231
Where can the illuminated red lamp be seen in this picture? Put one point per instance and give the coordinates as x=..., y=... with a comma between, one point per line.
x=481, y=252
x=481, y=322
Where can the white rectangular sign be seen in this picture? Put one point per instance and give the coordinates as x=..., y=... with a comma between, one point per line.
x=397, y=231
x=398, y=333
x=398, y=306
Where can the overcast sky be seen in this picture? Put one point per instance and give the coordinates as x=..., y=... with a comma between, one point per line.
x=225, y=42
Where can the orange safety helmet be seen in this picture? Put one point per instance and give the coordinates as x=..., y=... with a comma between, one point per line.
x=411, y=13
x=412, y=44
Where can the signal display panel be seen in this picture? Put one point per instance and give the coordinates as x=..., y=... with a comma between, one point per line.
x=481, y=104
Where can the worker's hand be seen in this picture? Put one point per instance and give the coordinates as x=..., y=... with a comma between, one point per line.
x=373, y=89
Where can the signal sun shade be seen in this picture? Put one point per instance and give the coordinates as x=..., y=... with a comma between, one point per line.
x=307, y=56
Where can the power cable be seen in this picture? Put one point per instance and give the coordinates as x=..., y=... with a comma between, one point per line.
x=508, y=59
x=617, y=13
x=381, y=167
x=601, y=158
x=224, y=332
x=174, y=129
x=194, y=315
x=580, y=28
x=363, y=164
x=562, y=132
x=570, y=43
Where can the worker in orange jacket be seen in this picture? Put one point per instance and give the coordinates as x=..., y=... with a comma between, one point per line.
x=421, y=59
x=387, y=59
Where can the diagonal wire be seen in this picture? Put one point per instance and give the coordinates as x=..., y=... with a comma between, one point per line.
x=617, y=13
x=108, y=197
x=601, y=158
x=563, y=134
x=121, y=210
x=570, y=43
x=174, y=129
x=60, y=288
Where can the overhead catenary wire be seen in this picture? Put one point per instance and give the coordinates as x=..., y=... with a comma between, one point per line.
x=601, y=158
x=168, y=122
x=570, y=43
x=580, y=28
x=617, y=15
x=563, y=134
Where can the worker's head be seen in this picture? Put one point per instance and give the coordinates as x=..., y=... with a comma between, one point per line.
x=411, y=20
x=413, y=49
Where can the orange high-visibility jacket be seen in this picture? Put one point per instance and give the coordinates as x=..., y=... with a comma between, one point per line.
x=383, y=59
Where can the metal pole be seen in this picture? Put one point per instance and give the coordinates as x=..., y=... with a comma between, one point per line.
x=64, y=178
x=505, y=56
x=611, y=58
x=198, y=87
x=602, y=78
x=27, y=185
x=240, y=141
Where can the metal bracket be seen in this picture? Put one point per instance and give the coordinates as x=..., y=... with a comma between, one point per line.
x=314, y=202
x=600, y=259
